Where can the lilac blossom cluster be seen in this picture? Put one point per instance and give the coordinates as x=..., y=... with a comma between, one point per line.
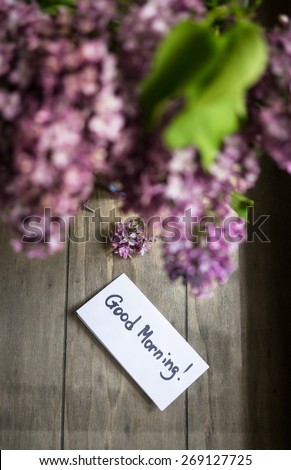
x=130, y=239
x=161, y=182
x=270, y=103
x=144, y=27
x=138, y=161
x=205, y=258
x=164, y=183
x=59, y=111
x=69, y=116
x=76, y=118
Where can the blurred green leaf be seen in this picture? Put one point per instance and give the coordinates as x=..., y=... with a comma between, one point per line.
x=240, y=62
x=204, y=126
x=240, y=204
x=215, y=106
x=244, y=4
x=211, y=73
x=183, y=57
x=51, y=6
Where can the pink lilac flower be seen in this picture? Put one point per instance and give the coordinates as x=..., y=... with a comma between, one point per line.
x=160, y=182
x=144, y=27
x=59, y=110
x=270, y=103
x=130, y=239
x=142, y=163
x=205, y=259
x=171, y=183
x=73, y=106
x=202, y=262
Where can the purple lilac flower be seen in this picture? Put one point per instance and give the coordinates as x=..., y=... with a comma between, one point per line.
x=235, y=169
x=206, y=260
x=59, y=110
x=130, y=238
x=140, y=164
x=270, y=103
x=144, y=27
x=202, y=262
x=75, y=117
x=160, y=182
x=171, y=183
x=155, y=179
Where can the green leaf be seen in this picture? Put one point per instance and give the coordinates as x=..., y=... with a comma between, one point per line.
x=52, y=6
x=240, y=204
x=204, y=126
x=183, y=57
x=211, y=74
x=240, y=63
x=216, y=106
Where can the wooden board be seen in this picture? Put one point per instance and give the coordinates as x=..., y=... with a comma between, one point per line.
x=265, y=270
x=49, y=359
x=244, y=334
x=59, y=388
x=104, y=408
x=216, y=402
x=32, y=313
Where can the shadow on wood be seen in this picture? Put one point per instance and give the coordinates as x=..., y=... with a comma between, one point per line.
x=266, y=307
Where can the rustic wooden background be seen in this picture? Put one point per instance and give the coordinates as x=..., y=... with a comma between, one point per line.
x=60, y=389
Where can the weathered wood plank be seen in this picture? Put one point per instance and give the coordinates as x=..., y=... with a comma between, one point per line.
x=31, y=349
x=266, y=323
x=266, y=303
x=216, y=414
x=104, y=408
x=245, y=333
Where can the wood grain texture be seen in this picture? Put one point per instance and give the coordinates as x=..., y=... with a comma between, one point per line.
x=104, y=408
x=32, y=307
x=265, y=271
x=243, y=332
x=266, y=324
x=216, y=402
x=60, y=388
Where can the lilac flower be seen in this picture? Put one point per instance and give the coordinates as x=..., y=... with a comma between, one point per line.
x=270, y=103
x=130, y=239
x=143, y=28
x=155, y=179
x=236, y=167
x=205, y=261
x=59, y=110
x=160, y=182
x=142, y=163
x=69, y=116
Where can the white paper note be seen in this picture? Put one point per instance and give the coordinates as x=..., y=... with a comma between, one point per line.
x=148, y=347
